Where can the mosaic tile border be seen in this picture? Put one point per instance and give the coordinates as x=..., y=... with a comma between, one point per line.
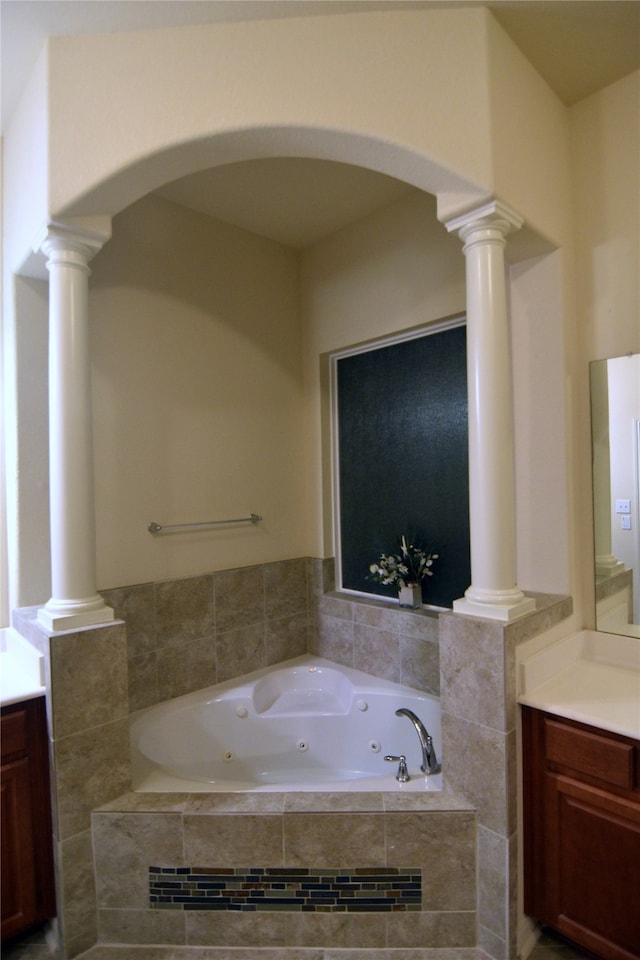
x=301, y=889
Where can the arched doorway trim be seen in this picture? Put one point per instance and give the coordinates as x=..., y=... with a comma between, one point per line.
x=123, y=187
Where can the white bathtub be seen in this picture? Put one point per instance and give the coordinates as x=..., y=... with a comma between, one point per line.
x=307, y=724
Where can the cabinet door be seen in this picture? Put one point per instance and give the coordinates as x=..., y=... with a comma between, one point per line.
x=28, y=894
x=18, y=865
x=592, y=851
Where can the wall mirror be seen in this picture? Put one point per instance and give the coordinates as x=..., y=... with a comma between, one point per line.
x=615, y=431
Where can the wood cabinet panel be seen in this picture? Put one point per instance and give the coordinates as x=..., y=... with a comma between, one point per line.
x=14, y=733
x=27, y=859
x=582, y=833
x=593, y=867
x=18, y=862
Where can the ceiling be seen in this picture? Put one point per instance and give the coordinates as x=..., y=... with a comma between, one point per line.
x=577, y=46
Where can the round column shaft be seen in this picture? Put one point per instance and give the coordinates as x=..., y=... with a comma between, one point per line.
x=74, y=601
x=493, y=591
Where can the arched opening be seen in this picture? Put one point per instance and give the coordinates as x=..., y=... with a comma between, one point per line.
x=366, y=189
x=351, y=282
x=351, y=175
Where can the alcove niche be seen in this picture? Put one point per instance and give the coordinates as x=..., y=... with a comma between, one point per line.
x=395, y=283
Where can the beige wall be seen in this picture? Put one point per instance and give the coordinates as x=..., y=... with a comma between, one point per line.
x=326, y=86
x=197, y=395
x=605, y=132
x=396, y=269
x=541, y=420
x=25, y=184
x=314, y=86
x=529, y=141
x=605, y=144
x=206, y=344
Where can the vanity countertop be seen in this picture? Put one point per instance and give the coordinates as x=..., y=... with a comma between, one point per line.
x=21, y=669
x=590, y=676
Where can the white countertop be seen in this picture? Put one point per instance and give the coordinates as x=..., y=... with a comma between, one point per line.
x=591, y=677
x=21, y=668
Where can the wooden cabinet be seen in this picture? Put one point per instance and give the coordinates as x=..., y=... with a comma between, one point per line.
x=27, y=860
x=581, y=800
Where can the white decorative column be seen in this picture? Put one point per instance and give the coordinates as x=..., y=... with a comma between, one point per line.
x=493, y=592
x=74, y=601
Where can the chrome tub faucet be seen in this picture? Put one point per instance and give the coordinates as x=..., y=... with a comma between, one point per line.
x=429, y=760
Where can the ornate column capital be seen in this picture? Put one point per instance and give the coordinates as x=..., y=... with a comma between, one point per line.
x=495, y=217
x=73, y=242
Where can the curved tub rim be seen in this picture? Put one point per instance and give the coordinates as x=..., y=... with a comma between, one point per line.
x=156, y=778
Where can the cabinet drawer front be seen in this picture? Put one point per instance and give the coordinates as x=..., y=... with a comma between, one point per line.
x=14, y=732
x=590, y=754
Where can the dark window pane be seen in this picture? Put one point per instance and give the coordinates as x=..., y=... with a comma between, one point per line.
x=402, y=418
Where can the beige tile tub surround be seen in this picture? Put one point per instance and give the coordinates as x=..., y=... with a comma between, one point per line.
x=436, y=832
x=378, y=638
x=478, y=678
x=89, y=677
x=183, y=635
x=97, y=676
x=76, y=892
x=240, y=598
x=88, y=719
x=89, y=766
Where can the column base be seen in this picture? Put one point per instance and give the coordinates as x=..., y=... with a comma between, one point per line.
x=503, y=610
x=608, y=566
x=57, y=615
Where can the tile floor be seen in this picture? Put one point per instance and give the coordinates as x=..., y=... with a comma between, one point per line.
x=34, y=947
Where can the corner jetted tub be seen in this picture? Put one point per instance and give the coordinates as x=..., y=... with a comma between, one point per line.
x=305, y=724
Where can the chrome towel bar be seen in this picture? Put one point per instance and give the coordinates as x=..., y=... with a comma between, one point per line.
x=158, y=527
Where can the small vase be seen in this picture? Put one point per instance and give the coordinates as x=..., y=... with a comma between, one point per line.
x=410, y=596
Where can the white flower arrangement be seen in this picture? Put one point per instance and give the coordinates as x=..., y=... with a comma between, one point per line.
x=411, y=565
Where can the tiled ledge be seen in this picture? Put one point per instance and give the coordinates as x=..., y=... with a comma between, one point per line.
x=608, y=586
x=382, y=603
x=286, y=802
x=549, y=606
x=132, y=952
